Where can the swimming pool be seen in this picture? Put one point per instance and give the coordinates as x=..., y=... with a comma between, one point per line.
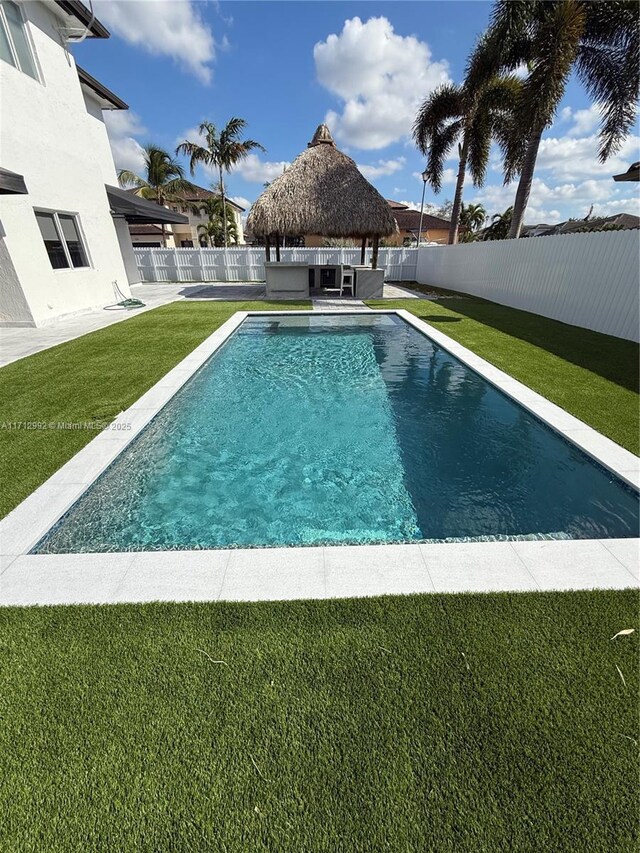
x=333, y=429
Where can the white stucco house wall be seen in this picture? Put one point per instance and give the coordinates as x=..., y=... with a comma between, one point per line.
x=64, y=240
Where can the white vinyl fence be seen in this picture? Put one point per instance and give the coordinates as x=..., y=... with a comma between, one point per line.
x=247, y=264
x=589, y=280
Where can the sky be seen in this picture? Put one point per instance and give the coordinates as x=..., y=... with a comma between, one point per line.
x=361, y=67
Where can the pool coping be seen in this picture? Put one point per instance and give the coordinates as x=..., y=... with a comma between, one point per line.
x=302, y=572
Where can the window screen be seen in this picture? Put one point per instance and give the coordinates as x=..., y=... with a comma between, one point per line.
x=18, y=35
x=52, y=241
x=73, y=241
x=62, y=239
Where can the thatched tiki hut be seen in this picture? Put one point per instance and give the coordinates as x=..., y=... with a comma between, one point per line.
x=322, y=192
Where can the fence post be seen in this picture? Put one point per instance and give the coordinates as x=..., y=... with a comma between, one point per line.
x=153, y=264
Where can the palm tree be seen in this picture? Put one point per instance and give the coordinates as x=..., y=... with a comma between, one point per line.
x=500, y=225
x=222, y=151
x=213, y=232
x=164, y=182
x=472, y=117
x=600, y=41
x=472, y=216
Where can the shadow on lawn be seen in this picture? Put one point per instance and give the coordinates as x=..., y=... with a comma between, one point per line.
x=612, y=358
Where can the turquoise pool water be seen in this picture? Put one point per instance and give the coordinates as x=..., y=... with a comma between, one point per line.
x=347, y=429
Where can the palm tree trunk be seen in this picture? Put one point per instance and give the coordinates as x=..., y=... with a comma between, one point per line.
x=524, y=185
x=457, y=199
x=160, y=202
x=224, y=208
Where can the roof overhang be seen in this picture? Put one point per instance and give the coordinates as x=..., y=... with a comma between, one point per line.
x=136, y=209
x=632, y=174
x=105, y=97
x=11, y=183
x=76, y=13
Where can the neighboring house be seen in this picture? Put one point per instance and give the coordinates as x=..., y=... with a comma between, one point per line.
x=617, y=222
x=185, y=235
x=434, y=229
x=64, y=238
x=146, y=236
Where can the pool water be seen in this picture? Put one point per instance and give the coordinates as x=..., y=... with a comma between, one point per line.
x=310, y=429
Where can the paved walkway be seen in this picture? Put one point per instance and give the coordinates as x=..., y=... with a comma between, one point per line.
x=326, y=303
x=16, y=343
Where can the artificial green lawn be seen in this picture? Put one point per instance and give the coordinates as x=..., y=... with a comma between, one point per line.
x=420, y=723
x=593, y=376
x=93, y=378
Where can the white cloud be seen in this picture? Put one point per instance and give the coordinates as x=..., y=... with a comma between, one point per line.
x=255, y=170
x=572, y=159
x=242, y=201
x=171, y=28
x=449, y=176
x=553, y=203
x=382, y=167
x=630, y=204
x=122, y=127
x=381, y=77
x=584, y=121
x=429, y=207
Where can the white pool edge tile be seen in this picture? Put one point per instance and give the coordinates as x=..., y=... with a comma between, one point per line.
x=27, y=523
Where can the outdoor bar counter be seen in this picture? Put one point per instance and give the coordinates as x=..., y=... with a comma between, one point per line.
x=291, y=280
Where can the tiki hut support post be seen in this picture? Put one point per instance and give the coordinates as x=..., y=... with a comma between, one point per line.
x=374, y=254
x=363, y=251
x=267, y=248
x=278, y=248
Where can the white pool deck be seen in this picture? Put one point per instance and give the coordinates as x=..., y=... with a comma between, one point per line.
x=317, y=572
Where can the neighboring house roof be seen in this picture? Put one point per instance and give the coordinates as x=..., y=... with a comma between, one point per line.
x=77, y=11
x=11, y=183
x=197, y=193
x=146, y=230
x=139, y=210
x=632, y=173
x=622, y=221
x=107, y=99
x=397, y=205
x=409, y=220
x=200, y=194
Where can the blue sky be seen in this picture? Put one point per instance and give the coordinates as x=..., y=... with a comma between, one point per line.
x=362, y=67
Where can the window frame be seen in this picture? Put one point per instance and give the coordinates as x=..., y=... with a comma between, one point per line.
x=63, y=240
x=27, y=34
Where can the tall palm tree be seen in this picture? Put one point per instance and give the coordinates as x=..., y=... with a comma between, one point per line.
x=470, y=117
x=222, y=150
x=164, y=183
x=213, y=232
x=600, y=41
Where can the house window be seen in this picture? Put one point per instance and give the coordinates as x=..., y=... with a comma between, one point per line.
x=14, y=42
x=62, y=240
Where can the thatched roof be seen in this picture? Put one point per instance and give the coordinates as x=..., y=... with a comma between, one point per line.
x=322, y=192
